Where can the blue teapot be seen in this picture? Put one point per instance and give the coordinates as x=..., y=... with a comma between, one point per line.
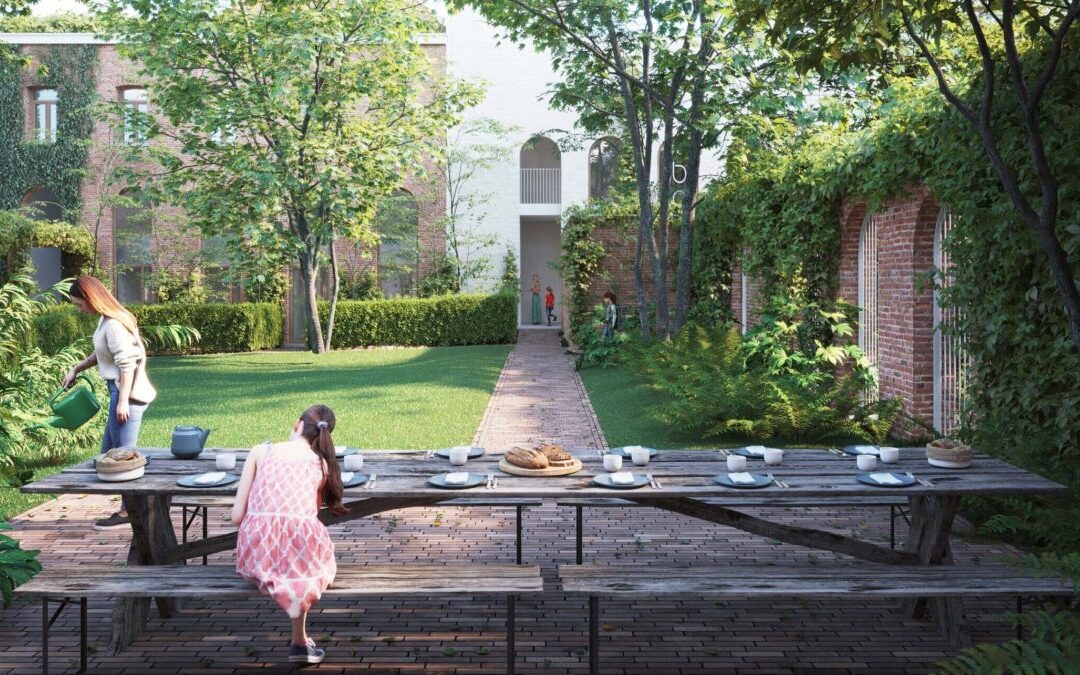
x=188, y=441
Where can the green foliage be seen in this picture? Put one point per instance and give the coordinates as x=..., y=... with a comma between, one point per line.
x=16, y=565
x=582, y=260
x=594, y=348
x=510, y=281
x=185, y=287
x=793, y=378
x=60, y=166
x=443, y=281
x=19, y=232
x=438, y=321
x=61, y=22
x=175, y=327
x=360, y=286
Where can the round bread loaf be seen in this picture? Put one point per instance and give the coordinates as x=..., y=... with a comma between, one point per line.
x=527, y=458
x=555, y=453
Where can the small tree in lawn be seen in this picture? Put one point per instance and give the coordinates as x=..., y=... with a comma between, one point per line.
x=302, y=114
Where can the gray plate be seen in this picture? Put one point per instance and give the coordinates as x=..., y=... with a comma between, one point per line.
x=473, y=453
x=357, y=479
x=604, y=480
x=850, y=450
x=625, y=454
x=189, y=481
x=760, y=481
x=348, y=451
x=475, y=480
x=745, y=452
x=905, y=480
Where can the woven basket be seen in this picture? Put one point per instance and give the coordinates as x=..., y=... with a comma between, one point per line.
x=120, y=466
x=958, y=453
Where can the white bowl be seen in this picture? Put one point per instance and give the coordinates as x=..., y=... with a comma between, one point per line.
x=946, y=464
x=122, y=476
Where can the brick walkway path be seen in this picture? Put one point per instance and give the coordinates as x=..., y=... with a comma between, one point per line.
x=662, y=635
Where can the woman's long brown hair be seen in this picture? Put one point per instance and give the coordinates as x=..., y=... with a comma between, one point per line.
x=102, y=302
x=322, y=444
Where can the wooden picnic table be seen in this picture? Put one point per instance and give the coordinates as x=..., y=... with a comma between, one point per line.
x=686, y=477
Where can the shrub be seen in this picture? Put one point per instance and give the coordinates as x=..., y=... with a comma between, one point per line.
x=360, y=286
x=236, y=327
x=442, y=320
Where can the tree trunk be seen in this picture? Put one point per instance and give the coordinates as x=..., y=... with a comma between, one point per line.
x=659, y=261
x=333, y=296
x=309, y=274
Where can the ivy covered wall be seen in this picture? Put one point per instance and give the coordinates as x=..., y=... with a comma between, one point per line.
x=26, y=164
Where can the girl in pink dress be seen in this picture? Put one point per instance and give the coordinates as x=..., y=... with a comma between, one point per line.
x=281, y=545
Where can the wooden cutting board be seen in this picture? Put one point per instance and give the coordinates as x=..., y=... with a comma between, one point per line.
x=573, y=467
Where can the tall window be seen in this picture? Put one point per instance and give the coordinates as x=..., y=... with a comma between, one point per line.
x=603, y=163
x=45, y=114
x=951, y=362
x=131, y=233
x=135, y=101
x=397, y=223
x=868, y=293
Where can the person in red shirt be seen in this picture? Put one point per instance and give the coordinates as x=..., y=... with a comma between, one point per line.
x=549, y=303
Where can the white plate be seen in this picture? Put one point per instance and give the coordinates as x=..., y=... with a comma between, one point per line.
x=946, y=464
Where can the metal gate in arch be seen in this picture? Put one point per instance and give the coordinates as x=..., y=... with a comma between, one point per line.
x=951, y=362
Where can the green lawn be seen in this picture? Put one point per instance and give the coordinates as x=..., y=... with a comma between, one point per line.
x=625, y=408
x=412, y=398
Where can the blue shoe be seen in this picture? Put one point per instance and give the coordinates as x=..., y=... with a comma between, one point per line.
x=307, y=654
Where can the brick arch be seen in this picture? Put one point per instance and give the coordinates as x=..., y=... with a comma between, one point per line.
x=922, y=301
x=852, y=214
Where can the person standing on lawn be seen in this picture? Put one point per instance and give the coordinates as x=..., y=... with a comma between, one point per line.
x=121, y=359
x=281, y=545
x=549, y=304
x=611, y=314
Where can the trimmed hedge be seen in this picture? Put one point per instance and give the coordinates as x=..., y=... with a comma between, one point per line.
x=438, y=321
x=234, y=327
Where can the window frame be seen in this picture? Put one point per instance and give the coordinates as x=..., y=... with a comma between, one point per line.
x=46, y=133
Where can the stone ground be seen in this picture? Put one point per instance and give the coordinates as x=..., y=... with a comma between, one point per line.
x=538, y=396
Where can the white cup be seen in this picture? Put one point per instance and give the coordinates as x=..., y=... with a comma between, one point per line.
x=225, y=461
x=736, y=463
x=612, y=463
x=458, y=456
x=773, y=456
x=889, y=455
x=354, y=462
x=639, y=456
x=866, y=462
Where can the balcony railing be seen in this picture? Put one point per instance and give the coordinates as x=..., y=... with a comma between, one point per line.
x=541, y=186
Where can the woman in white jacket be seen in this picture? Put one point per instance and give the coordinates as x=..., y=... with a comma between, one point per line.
x=121, y=359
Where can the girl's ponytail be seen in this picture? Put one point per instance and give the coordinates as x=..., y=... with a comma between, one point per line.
x=318, y=423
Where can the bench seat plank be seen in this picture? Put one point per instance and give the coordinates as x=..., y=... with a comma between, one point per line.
x=884, y=500
x=862, y=580
x=227, y=502
x=220, y=581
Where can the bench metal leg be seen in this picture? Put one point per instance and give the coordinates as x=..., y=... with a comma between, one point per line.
x=45, y=636
x=520, y=508
x=594, y=635
x=46, y=624
x=205, y=528
x=511, y=655
x=892, y=527
x=82, y=635
x=578, y=531
x=1019, y=625
x=196, y=512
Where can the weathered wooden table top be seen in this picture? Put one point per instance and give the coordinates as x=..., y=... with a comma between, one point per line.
x=808, y=472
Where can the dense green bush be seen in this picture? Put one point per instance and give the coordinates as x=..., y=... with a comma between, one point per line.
x=235, y=327
x=442, y=320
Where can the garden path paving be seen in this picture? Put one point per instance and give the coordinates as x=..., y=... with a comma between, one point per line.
x=663, y=635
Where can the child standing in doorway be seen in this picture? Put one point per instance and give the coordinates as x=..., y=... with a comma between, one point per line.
x=549, y=304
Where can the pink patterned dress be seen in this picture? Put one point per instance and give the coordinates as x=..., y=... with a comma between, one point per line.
x=281, y=546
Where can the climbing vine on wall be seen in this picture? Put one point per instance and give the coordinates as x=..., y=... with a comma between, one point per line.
x=59, y=166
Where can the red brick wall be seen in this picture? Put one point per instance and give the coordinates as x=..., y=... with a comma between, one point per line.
x=617, y=268
x=905, y=298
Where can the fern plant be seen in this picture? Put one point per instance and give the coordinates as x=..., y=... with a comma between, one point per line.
x=16, y=565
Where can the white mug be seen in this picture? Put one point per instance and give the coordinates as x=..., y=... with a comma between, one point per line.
x=773, y=456
x=889, y=455
x=458, y=456
x=866, y=462
x=612, y=463
x=736, y=463
x=639, y=456
x=354, y=462
x=225, y=461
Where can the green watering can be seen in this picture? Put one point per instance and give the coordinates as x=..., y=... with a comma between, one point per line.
x=75, y=407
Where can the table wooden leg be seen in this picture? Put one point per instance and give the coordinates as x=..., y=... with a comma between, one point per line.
x=152, y=540
x=931, y=522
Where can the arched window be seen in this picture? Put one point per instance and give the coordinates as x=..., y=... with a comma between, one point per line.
x=43, y=204
x=603, y=163
x=951, y=362
x=541, y=177
x=397, y=222
x=132, y=225
x=868, y=293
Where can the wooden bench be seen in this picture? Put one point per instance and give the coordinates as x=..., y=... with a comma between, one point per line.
x=865, y=580
x=214, y=582
x=199, y=507
x=897, y=505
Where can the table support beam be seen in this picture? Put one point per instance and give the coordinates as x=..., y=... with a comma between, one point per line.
x=931, y=522
x=790, y=534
